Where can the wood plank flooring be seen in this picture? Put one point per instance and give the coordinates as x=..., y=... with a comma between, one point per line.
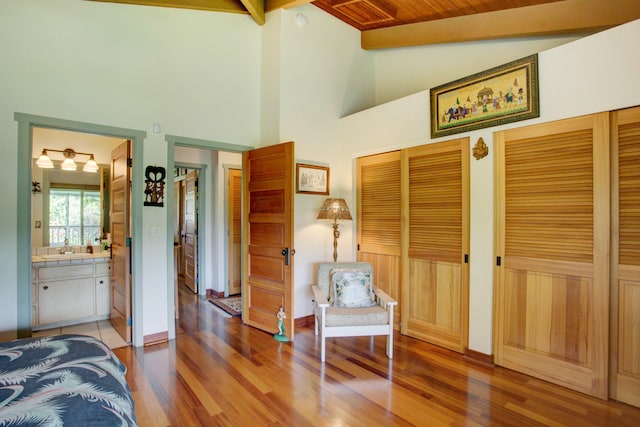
x=220, y=372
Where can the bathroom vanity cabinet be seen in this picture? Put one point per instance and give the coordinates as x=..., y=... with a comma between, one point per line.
x=69, y=291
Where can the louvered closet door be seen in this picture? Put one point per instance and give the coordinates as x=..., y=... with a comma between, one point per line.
x=435, y=292
x=625, y=347
x=378, y=219
x=552, y=238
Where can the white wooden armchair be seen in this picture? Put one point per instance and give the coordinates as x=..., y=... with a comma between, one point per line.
x=335, y=311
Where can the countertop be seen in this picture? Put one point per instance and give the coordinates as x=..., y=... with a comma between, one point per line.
x=69, y=259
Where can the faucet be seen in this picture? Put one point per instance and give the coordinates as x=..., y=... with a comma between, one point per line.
x=66, y=249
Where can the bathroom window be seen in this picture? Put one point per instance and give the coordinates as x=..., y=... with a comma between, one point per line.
x=74, y=215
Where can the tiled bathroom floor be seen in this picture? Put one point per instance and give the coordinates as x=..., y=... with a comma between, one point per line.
x=100, y=329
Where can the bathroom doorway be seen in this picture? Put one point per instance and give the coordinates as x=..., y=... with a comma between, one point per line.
x=26, y=125
x=71, y=217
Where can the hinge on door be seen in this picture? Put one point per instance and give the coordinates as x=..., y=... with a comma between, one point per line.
x=128, y=321
x=129, y=162
x=358, y=246
x=498, y=261
x=466, y=258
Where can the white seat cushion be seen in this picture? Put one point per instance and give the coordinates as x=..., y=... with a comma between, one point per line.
x=339, y=316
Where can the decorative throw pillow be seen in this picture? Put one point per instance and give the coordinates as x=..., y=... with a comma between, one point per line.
x=351, y=288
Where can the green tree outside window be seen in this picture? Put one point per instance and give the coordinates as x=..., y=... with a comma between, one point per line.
x=74, y=215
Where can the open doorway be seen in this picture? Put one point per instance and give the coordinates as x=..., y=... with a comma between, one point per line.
x=26, y=125
x=234, y=234
x=72, y=218
x=213, y=162
x=185, y=219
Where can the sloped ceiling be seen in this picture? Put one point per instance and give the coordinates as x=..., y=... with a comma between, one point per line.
x=398, y=23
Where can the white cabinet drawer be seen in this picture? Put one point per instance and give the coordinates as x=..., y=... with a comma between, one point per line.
x=64, y=271
x=102, y=269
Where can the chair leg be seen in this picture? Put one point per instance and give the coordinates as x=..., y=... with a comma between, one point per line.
x=315, y=322
x=390, y=345
x=322, y=348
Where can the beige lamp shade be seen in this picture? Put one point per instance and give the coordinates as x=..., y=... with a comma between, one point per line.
x=335, y=209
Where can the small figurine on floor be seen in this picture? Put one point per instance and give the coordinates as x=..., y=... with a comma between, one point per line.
x=280, y=336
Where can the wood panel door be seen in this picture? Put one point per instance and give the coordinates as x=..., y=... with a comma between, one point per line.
x=234, y=218
x=435, y=243
x=190, y=241
x=120, y=280
x=625, y=286
x=552, y=251
x=268, y=236
x=378, y=221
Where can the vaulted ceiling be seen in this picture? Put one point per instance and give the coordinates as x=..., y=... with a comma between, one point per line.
x=398, y=23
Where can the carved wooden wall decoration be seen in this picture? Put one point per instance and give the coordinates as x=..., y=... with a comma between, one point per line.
x=154, y=191
x=480, y=150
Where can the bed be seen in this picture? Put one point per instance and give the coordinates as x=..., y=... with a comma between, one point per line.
x=63, y=380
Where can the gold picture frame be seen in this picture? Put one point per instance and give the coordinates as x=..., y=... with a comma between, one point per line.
x=312, y=179
x=503, y=94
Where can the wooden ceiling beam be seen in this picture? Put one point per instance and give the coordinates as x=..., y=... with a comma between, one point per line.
x=564, y=17
x=283, y=4
x=256, y=10
x=231, y=6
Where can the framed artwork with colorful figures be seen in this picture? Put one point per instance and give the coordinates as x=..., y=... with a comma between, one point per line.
x=503, y=94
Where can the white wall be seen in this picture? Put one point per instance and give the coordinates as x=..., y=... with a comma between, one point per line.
x=401, y=72
x=197, y=74
x=593, y=74
x=320, y=75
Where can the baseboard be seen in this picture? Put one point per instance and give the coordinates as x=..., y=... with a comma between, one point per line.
x=158, y=338
x=478, y=358
x=214, y=294
x=301, y=322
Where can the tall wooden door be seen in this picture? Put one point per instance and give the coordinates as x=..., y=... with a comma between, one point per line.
x=435, y=243
x=268, y=236
x=234, y=218
x=190, y=240
x=625, y=286
x=378, y=183
x=552, y=251
x=120, y=281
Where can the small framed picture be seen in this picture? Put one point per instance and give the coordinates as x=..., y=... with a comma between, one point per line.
x=311, y=179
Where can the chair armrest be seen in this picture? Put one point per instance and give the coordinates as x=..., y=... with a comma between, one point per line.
x=384, y=298
x=320, y=297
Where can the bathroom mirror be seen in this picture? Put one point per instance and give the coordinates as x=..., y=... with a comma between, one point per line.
x=70, y=207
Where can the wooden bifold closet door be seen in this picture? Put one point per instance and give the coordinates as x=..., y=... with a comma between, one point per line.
x=378, y=220
x=413, y=226
x=552, y=187
x=625, y=252
x=435, y=243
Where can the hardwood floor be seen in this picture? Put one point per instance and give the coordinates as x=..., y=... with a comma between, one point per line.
x=221, y=372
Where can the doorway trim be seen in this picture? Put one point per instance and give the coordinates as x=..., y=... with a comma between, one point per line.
x=26, y=122
x=181, y=141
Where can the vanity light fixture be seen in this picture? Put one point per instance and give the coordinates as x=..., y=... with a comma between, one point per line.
x=68, y=164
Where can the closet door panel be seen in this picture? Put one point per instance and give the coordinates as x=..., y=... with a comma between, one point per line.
x=435, y=241
x=552, y=246
x=379, y=218
x=625, y=295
